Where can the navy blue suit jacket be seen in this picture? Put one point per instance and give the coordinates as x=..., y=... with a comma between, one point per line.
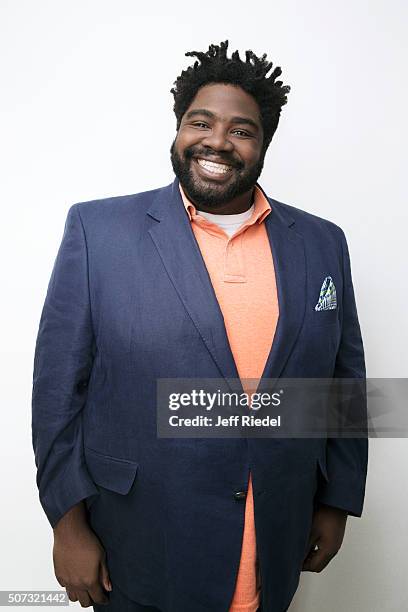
x=130, y=301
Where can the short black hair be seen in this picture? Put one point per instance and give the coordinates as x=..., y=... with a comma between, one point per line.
x=214, y=66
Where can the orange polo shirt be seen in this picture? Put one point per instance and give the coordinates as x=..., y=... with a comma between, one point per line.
x=242, y=273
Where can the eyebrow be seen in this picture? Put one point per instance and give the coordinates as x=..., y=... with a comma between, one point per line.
x=207, y=113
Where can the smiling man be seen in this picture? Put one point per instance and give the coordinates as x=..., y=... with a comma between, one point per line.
x=208, y=278
x=219, y=172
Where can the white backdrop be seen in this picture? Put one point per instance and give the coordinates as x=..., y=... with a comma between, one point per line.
x=86, y=113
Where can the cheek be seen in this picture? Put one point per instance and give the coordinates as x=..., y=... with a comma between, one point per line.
x=250, y=153
x=186, y=138
x=181, y=145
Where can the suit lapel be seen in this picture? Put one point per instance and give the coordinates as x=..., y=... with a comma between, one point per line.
x=181, y=256
x=290, y=270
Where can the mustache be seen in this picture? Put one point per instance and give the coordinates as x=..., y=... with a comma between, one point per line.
x=189, y=153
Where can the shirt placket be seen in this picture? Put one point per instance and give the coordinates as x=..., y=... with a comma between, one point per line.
x=234, y=265
x=234, y=261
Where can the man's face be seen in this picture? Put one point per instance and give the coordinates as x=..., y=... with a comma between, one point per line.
x=217, y=153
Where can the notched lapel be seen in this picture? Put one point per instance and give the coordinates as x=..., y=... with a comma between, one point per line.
x=290, y=270
x=181, y=256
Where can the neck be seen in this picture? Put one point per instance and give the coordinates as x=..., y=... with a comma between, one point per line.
x=235, y=206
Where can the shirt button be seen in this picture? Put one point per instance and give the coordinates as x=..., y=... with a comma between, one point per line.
x=238, y=495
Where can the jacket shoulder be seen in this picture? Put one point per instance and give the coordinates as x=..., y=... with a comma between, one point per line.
x=306, y=221
x=112, y=206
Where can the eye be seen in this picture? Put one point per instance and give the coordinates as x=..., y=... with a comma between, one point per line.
x=243, y=133
x=200, y=123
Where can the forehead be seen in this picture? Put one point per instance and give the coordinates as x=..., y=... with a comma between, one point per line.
x=226, y=101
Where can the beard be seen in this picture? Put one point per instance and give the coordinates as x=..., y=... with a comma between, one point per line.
x=210, y=193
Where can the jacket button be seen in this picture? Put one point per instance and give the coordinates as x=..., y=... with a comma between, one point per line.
x=240, y=495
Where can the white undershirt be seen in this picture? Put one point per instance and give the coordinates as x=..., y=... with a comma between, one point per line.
x=229, y=223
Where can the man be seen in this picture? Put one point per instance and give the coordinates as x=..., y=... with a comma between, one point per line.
x=204, y=278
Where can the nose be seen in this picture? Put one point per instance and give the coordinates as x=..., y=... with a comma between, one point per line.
x=217, y=139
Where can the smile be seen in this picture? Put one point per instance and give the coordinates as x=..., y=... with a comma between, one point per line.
x=213, y=167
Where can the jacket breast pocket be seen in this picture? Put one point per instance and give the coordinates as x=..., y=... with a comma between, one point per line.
x=109, y=472
x=324, y=317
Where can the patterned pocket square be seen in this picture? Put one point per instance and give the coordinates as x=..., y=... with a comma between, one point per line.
x=327, y=297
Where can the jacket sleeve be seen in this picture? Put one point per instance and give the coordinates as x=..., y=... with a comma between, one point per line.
x=347, y=457
x=62, y=366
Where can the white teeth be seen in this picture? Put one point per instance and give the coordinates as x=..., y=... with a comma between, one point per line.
x=214, y=167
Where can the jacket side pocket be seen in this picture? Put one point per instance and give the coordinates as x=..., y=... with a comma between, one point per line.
x=112, y=473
